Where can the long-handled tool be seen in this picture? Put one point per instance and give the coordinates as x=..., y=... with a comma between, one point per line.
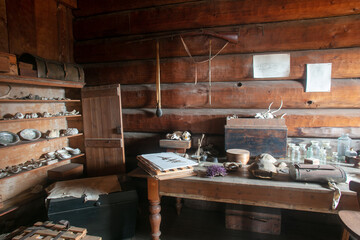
x=158, y=91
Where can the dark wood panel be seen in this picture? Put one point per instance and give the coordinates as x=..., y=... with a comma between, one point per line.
x=335, y=32
x=94, y=7
x=21, y=26
x=47, y=42
x=345, y=64
x=344, y=93
x=209, y=14
x=300, y=123
x=65, y=35
x=4, y=40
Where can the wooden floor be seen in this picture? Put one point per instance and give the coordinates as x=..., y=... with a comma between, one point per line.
x=196, y=223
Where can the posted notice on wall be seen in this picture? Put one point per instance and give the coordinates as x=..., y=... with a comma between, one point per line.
x=271, y=65
x=318, y=77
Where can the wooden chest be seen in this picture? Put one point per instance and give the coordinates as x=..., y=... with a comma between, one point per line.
x=254, y=219
x=257, y=135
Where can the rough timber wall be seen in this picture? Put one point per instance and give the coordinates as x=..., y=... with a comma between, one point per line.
x=322, y=31
x=40, y=27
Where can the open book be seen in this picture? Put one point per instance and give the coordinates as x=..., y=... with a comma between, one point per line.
x=167, y=160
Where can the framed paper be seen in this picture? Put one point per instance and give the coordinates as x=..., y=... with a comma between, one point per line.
x=318, y=77
x=271, y=65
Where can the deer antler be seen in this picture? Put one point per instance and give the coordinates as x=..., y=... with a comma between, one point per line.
x=269, y=107
x=6, y=94
x=278, y=108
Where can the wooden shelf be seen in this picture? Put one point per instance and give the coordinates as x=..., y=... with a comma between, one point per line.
x=40, y=118
x=39, y=140
x=60, y=162
x=35, y=101
x=40, y=81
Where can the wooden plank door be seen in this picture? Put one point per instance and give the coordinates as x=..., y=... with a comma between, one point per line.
x=103, y=130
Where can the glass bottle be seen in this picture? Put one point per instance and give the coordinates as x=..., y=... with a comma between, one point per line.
x=295, y=154
x=315, y=149
x=335, y=158
x=309, y=152
x=343, y=145
x=289, y=149
x=322, y=156
x=328, y=150
x=302, y=151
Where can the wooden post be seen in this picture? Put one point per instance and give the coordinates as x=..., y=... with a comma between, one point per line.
x=155, y=208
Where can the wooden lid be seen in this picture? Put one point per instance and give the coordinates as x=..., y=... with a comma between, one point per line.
x=238, y=151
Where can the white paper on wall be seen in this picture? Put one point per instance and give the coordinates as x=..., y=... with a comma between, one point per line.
x=271, y=65
x=168, y=160
x=318, y=77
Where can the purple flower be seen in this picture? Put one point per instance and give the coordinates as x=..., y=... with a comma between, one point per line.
x=215, y=170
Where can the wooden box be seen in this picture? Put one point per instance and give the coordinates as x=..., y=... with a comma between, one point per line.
x=257, y=135
x=254, y=219
x=66, y=172
x=8, y=64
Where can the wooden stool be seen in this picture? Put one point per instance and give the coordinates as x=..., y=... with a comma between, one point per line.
x=351, y=219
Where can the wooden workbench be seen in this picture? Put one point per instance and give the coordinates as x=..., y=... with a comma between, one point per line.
x=241, y=188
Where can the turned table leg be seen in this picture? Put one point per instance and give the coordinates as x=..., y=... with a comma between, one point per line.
x=178, y=205
x=155, y=208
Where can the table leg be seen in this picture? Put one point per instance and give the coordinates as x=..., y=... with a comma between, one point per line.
x=155, y=208
x=178, y=205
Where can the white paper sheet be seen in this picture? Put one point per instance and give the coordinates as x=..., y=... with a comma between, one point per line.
x=318, y=77
x=271, y=65
x=168, y=160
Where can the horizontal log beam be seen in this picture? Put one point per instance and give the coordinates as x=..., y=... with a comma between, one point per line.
x=336, y=32
x=95, y=7
x=300, y=123
x=225, y=68
x=345, y=93
x=208, y=14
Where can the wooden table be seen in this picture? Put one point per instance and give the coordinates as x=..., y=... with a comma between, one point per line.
x=240, y=188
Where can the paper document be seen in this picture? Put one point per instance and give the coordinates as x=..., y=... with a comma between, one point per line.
x=318, y=77
x=271, y=65
x=168, y=160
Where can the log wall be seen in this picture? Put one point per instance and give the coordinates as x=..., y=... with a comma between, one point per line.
x=39, y=27
x=113, y=42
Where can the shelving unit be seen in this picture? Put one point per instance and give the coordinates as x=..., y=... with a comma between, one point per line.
x=15, y=185
x=40, y=140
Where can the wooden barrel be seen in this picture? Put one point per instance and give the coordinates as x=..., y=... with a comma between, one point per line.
x=238, y=155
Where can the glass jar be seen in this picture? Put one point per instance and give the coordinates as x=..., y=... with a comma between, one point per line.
x=309, y=152
x=344, y=143
x=295, y=154
x=322, y=156
x=315, y=149
x=289, y=149
x=302, y=151
x=335, y=158
x=328, y=150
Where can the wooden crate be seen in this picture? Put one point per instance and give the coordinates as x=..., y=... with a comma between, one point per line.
x=257, y=135
x=254, y=219
x=8, y=64
x=49, y=230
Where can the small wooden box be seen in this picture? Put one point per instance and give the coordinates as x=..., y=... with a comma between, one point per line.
x=8, y=64
x=254, y=219
x=66, y=172
x=257, y=135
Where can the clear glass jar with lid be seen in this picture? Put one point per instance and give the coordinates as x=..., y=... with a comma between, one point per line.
x=315, y=149
x=344, y=143
x=289, y=149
